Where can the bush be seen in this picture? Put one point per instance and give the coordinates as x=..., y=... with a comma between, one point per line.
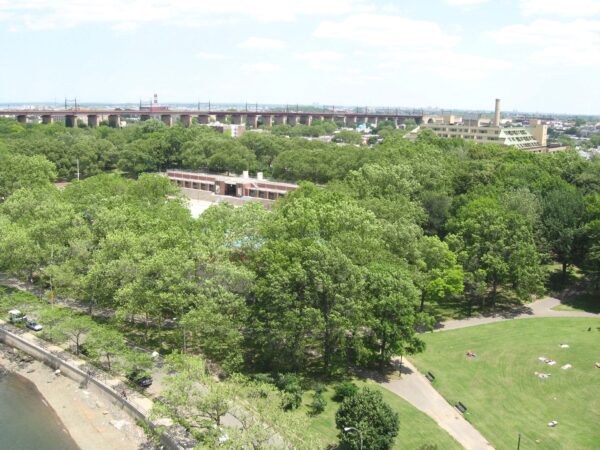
x=318, y=404
x=344, y=390
x=263, y=378
x=319, y=388
x=367, y=412
x=290, y=384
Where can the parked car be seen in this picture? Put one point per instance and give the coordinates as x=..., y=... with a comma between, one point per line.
x=15, y=316
x=33, y=325
x=141, y=378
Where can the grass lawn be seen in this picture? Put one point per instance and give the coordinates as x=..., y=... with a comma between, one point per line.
x=416, y=428
x=583, y=302
x=500, y=390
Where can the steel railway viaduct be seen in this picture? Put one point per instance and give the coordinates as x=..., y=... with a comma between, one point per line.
x=93, y=117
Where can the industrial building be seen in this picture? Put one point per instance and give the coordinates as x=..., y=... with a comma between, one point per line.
x=481, y=130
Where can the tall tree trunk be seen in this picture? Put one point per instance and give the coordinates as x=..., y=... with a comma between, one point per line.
x=145, y=327
x=422, y=302
x=382, y=354
x=494, y=291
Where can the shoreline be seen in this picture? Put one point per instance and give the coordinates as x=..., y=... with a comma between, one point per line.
x=92, y=422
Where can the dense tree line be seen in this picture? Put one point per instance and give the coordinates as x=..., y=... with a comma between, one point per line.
x=151, y=146
x=331, y=277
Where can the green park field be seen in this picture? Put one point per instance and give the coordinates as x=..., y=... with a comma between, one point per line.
x=499, y=386
x=416, y=429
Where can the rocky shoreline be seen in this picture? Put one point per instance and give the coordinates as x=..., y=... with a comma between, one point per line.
x=93, y=423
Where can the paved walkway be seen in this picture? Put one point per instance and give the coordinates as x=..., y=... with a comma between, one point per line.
x=418, y=391
x=539, y=308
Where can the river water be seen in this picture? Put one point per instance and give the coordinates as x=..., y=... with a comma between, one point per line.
x=26, y=421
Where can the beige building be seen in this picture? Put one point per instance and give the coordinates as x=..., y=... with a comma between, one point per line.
x=532, y=138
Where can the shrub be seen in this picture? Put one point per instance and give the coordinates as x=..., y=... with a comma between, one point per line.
x=290, y=384
x=344, y=390
x=318, y=404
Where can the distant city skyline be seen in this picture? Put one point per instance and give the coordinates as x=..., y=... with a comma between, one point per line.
x=537, y=55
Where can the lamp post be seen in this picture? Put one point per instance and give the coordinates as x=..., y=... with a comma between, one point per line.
x=347, y=429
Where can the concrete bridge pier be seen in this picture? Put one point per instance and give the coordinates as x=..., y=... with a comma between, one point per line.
x=203, y=119
x=113, y=121
x=252, y=120
x=292, y=120
x=93, y=120
x=238, y=119
x=267, y=120
x=280, y=120
x=22, y=119
x=305, y=119
x=186, y=120
x=344, y=119
x=167, y=119
x=47, y=119
x=71, y=121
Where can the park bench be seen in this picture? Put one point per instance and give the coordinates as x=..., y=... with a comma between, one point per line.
x=462, y=408
x=429, y=376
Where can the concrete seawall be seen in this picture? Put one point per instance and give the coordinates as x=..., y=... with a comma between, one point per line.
x=76, y=374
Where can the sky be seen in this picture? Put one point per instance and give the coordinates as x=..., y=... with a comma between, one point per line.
x=536, y=55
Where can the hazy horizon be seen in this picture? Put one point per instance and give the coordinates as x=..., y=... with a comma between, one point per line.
x=536, y=55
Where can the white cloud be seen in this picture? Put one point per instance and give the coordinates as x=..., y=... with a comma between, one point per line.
x=262, y=43
x=322, y=56
x=210, y=56
x=561, y=8
x=465, y=3
x=261, y=68
x=389, y=31
x=554, y=42
x=51, y=14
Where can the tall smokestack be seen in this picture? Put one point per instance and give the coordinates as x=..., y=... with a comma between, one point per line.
x=497, y=113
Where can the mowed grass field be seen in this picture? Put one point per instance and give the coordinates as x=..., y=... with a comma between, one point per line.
x=503, y=395
x=416, y=428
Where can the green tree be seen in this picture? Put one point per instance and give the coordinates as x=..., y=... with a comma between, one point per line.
x=366, y=411
x=107, y=343
x=74, y=329
x=440, y=274
x=496, y=245
x=562, y=215
x=20, y=171
x=392, y=300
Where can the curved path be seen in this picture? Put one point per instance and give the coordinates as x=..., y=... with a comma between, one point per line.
x=539, y=308
x=418, y=391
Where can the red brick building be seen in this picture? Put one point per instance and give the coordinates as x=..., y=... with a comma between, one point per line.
x=243, y=186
